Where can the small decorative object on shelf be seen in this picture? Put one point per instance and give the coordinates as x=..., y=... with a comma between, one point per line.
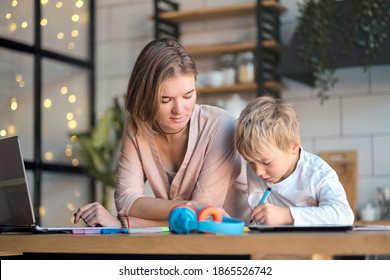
x=246, y=67
x=228, y=67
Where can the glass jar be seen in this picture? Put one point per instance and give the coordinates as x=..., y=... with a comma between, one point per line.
x=228, y=67
x=246, y=68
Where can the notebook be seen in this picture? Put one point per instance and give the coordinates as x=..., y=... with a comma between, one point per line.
x=16, y=210
x=292, y=228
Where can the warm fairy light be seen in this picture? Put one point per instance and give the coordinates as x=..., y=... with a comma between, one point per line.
x=68, y=150
x=70, y=206
x=77, y=193
x=42, y=211
x=75, y=162
x=21, y=84
x=14, y=104
x=3, y=132
x=43, y=22
x=8, y=16
x=49, y=156
x=71, y=46
x=12, y=27
x=59, y=4
x=44, y=2
x=74, y=33
x=64, y=90
x=14, y=3
x=24, y=24
x=60, y=35
x=47, y=103
x=75, y=18
x=73, y=138
x=72, y=98
x=79, y=111
x=69, y=116
x=18, y=77
x=72, y=124
x=79, y=3
x=11, y=130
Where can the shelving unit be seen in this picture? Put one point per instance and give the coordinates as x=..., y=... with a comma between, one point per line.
x=267, y=49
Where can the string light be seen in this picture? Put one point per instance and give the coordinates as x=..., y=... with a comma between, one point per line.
x=49, y=156
x=74, y=33
x=18, y=77
x=75, y=162
x=79, y=3
x=60, y=35
x=72, y=124
x=75, y=18
x=68, y=150
x=59, y=4
x=43, y=22
x=64, y=90
x=11, y=130
x=69, y=116
x=14, y=104
x=47, y=103
x=72, y=98
x=71, y=46
x=12, y=27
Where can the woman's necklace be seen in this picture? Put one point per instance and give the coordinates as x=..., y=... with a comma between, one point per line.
x=169, y=133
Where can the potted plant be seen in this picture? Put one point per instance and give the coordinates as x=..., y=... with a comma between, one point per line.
x=329, y=28
x=99, y=148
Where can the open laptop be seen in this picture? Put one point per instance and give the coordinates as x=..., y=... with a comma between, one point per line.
x=16, y=210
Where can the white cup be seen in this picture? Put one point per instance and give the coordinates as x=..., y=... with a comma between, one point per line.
x=215, y=78
x=369, y=213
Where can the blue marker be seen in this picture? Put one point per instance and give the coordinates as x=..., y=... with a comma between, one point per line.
x=263, y=198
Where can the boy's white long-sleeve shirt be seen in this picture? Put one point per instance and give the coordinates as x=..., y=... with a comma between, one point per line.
x=313, y=192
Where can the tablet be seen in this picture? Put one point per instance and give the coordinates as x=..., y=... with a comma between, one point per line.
x=292, y=228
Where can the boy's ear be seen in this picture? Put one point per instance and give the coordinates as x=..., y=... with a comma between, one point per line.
x=296, y=146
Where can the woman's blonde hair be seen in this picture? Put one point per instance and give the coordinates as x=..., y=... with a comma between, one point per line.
x=266, y=122
x=160, y=60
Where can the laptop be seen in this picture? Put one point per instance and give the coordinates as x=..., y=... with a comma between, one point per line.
x=16, y=210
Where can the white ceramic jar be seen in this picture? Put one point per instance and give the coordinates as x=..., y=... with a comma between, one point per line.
x=246, y=68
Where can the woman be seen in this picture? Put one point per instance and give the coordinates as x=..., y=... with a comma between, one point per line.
x=184, y=150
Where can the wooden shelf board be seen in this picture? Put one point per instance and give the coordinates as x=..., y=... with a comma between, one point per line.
x=219, y=12
x=233, y=48
x=379, y=222
x=268, y=85
x=221, y=48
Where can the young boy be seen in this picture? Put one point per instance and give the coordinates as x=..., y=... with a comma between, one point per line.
x=305, y=190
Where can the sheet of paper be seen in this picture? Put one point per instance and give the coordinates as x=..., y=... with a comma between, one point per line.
x=371, y=227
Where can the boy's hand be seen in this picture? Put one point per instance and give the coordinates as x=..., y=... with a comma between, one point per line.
x=269, y=214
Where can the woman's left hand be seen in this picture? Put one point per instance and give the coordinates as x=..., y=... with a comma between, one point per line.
x=94, y=214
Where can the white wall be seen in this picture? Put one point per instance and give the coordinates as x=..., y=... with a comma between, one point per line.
x=355, y=117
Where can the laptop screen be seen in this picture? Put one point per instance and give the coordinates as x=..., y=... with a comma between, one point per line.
x=15, y=205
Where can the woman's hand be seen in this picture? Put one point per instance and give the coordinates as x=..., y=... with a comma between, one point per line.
x=94, y=214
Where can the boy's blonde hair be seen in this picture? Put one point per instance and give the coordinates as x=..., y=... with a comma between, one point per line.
x=266, y=122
